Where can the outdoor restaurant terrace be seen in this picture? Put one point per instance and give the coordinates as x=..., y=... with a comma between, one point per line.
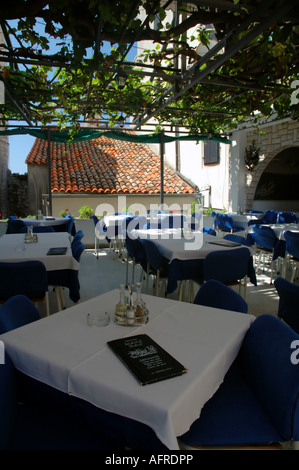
x=169, y=331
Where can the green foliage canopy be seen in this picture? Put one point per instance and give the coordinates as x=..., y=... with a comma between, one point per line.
x=79, y=80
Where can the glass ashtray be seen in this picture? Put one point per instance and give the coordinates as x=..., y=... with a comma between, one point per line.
x=98, y=319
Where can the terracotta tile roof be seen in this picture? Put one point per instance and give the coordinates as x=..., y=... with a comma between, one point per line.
x=105, y=165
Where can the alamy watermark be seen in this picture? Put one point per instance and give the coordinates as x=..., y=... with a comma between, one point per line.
x=295, y=353
x=177, y=221
x=2, y=353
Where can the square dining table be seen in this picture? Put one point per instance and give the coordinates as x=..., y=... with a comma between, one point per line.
x=62, y=270
x=186, y=251
x=64, y=352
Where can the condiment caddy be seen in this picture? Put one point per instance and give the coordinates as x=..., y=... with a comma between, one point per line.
x=129, y=312
x=30, y=237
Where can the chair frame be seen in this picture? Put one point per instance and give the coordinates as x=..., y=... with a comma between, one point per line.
x=260, y=250
x=289, y=257
x=151, y=270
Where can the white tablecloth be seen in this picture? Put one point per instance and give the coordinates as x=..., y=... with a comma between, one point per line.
x=45, y=221
x=64, y=352
x=172, y=245
x=13, y=248
x=279, y=229
x=243, y=219
x=110, y=225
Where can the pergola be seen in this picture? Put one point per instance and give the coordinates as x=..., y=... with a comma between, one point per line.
x=248, y=69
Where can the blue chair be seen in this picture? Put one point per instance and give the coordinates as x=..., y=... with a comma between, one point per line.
x=71, y=228
x=78, y=235
x=17, y=311
x=236, y=238
x=135, y=252
x=16, y=226
x=270, y=217
x=292, y=251
x=288, y=307
x=43, y=229
x=216, y=294
x=27, y=278
x=225, y=223
x=230, y=267
x=257, y=404
x=77, y=249
x=156, y=264
x=209, y=230
x=68, y=226
x=287, y=218
x=31, y=426
x=265, y=243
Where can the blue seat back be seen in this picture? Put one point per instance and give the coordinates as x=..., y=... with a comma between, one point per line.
x=26, y=277
x=270, y=217
x=288, y=307
x=268, y=355
x=264, y=237
x=16, y=226
x=287, y=218
x=17, y=311
x=95, y=219
x=235, y=238
x=77, y=249
x=224, y=222
x=216, y=294
x=154, y=258
x=68, y=226
x=292, y=243
x=78, y=235
x=209, y=230
x=135, y=249
x=227, y=266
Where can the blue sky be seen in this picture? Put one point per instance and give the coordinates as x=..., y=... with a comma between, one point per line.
x=19, y=147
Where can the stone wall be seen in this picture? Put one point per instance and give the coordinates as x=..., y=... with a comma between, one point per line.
x=270, y=139
x=17, y=194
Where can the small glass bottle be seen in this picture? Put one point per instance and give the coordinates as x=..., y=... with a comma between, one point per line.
x=121, y=307
x=131, y=311
x=141, y=311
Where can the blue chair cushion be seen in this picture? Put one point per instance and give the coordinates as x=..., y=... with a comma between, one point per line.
x=288, y=307
x=257, y=402
x=266, y=359
x=233, y=416
x=216, y=294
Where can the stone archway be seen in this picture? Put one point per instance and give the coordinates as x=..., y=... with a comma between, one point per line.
x=273, y=140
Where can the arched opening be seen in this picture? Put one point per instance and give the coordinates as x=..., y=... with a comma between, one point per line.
x=278, y=185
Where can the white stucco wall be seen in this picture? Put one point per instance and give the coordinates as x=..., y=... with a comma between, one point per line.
x=73, y=202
